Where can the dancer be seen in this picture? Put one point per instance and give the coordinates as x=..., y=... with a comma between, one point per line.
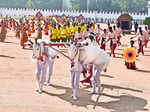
x=39, y=32
x=146, y=37
x=53, y=33
x=113, y=42
x=3, y=31
x=118, y=33
x=131, y=65
x=63, y=34
x=24, y=38
x=18, y=29
x=33, y=26
x=78, y=35
x=103, y=40
x=140, y=40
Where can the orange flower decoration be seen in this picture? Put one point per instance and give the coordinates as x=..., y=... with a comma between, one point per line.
x=130, y=54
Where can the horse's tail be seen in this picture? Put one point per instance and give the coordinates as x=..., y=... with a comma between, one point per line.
x=105, y=67
x=107, y=61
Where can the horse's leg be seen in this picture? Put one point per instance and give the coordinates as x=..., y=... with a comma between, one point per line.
x=97, y=77
x=98, y=73
x=94, y=81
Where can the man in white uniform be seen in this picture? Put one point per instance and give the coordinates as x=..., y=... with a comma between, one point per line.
x=76, y=69
x=96, y=72
x=41, y=65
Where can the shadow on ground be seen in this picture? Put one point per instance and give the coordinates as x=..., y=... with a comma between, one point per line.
x=10, y=42
x=4, y=56
x=123, y=103
x=143, y=71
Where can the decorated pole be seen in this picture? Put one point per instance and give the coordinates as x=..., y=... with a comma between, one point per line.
x=53, y=44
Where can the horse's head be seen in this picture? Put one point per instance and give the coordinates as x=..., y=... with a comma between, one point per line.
x=72, y=51
x=36, y=51
x=38, y=48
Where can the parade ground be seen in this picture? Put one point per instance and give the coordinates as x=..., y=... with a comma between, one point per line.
x=123, y=90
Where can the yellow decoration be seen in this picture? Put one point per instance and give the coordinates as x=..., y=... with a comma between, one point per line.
x=130, y=54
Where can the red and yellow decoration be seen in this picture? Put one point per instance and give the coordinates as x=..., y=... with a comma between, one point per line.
x=130, y=54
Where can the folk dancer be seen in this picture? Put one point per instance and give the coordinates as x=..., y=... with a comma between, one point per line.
x=72, y=32
x=18, y=29
x=118, y=33
x=131, y=65
x=140, y=41
x=24, y=38
x=39, y=32
x=63, y=34
x=3, y=32
x=113, y=41
x=78, y=36
x=146, y=37
x=103, y=40
x=33, y=26
x=53, y=35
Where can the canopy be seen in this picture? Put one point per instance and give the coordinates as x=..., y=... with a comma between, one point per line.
x=125, y=17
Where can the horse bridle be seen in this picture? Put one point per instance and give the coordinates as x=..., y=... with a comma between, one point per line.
x=76, y=53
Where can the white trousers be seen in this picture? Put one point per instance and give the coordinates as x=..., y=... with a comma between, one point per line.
x=41, y=73
x=96, y=77
x=75, y=80
x=50, y=67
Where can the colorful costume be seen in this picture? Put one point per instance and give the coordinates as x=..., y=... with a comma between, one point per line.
x=130, y=54
x=113, y=45
x=24, y=38
x=63, y=34
x=141, y=44
x=103, y=43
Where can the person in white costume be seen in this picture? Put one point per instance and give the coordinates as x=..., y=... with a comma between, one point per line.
x=76, y=69
x=41, y=65
x=96, y=73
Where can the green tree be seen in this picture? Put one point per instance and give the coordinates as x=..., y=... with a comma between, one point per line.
x=100, y=5
x=83, y=4
x=30, y=4
x=75, y=4
x=147, y=21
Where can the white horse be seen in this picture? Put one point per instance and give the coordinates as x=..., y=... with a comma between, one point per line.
x=90, y=55
x=38, y=49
